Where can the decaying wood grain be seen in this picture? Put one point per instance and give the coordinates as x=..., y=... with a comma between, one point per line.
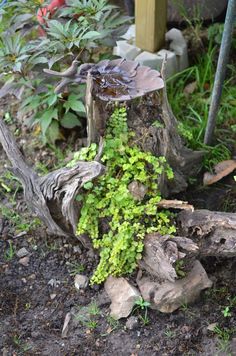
x=161, y=252
x=51, y=197
x=213, y=232
x=169, y=296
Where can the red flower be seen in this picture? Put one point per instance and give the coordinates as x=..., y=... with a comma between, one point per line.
x=48, y=11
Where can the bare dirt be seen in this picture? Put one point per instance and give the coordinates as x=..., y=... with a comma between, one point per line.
x=35, y=297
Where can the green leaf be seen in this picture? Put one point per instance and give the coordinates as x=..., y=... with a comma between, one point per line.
x=91, y=35
x=88, y=185
x=53, y=132
x=74, y=104
x=52, y=99
x=47, y=118
x=70, y=120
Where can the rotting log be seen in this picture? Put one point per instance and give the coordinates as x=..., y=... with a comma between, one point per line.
x=213, y=232
x=202, y=233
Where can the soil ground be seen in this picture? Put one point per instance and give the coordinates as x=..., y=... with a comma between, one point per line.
x=35, y=297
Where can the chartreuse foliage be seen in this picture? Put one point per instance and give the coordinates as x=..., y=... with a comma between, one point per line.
x=109, y=202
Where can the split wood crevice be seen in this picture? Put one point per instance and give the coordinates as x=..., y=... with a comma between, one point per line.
x=52, y=197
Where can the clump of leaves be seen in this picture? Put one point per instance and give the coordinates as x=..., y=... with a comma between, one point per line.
x=142, y=305
x=110, y=202
x=78, y=30
x=52, y=111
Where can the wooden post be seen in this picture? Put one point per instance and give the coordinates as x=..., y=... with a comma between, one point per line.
x=150, y=20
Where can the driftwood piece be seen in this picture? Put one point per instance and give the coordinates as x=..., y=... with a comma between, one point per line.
x=161, y=252
x=51, y=197
x=169, y=296
x=213, y=232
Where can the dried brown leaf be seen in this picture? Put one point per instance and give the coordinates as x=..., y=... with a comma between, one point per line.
x=175, y=204
x=190, y=88
x=221, y=169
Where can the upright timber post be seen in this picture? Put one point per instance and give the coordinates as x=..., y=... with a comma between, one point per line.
x=150, y=21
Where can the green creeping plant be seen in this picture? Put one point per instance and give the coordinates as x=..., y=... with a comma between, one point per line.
x=127, y=219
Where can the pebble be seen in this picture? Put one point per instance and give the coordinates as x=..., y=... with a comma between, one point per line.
x=81, y=281
x=22, y=252
x=132, y=323
x=77, y=249
x=24, y=261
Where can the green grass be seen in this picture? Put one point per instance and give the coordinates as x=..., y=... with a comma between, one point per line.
x=191, y=110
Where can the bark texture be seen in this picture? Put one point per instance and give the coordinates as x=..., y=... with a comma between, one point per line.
x=51, y=197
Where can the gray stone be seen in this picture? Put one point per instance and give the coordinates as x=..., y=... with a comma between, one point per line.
x=24, y=261
x=175, y=35
x=138, y=190
x=148, y=59
x=22, y=252
x=130, y=33
x=123, y=296
x=178, y=45
x=132, y=323
x=81, y=281
x=126, y=50
x=77, y=249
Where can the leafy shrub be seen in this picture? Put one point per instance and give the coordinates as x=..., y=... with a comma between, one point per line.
x=76, y=31
x=110, y=202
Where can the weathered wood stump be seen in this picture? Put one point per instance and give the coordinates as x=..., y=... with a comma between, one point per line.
x=149, y=116
x=51, y=197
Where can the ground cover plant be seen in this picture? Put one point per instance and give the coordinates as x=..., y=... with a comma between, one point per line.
x=129, y=219
x=38, y=299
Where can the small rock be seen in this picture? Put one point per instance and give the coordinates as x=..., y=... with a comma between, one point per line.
x=54, y=283
x=81, y=281
x=132, y=323
x=24, y=261
x=22, y=252
x=35, y=334
x=126, y=50
x=137, y=190
x=53, y=296
x=32, y=276
x=123, y=296
x=77, y=249
x=129, y=35
x=211, y=327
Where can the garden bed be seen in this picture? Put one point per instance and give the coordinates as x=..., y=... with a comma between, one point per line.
x=35, y=298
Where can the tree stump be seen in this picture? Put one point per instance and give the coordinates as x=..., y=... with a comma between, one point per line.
x=149, y=115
